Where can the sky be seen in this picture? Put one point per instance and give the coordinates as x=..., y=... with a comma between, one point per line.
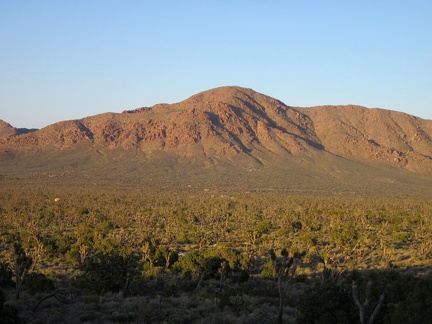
x=62, y=60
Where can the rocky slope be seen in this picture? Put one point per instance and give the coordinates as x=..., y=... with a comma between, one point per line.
x=6, y=130
x=374, y=135
x=237, y=128
x=226, y=122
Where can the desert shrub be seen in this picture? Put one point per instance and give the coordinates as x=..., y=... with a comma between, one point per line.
x=59, y=242
x=233, y=263
x=268, y=271
x=90, y=317
x=182, y=238
x=122, y=317
x=263, y=226
x=282, y=232
x=108, y=272
x=225, y=297
x=138, y=287
x=194, y=264
x=296, y=226
x=164, y=256
x=152, y=312
x=346, y=237
x=235, y=300
x=83, y=211
x=263, y=314
x=6, y=274
x=240, y=302
x=330, y=303
x=408, y=299
x=211, y=267
x=239, y=276
x=305, y=241
x=231, y=255
x=417, y=307
x=91, y=299
x=401, y=237
x=38, y=283
x=8, y=313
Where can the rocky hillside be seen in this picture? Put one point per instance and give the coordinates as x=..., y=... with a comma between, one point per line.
x=219, y=123
x=374, y=135
x=230, y=136
x=6, y=130
x=236, y=124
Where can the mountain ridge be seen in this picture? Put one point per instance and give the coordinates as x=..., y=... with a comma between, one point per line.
x=239, y=130
x=7, y=130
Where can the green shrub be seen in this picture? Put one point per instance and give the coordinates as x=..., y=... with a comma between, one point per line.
x=108, y=272
x=194, y=265
x=346, y=237
x=263, y=226
x=401, y=237
x=268, y=270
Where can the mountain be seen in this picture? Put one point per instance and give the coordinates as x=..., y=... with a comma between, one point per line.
x=232, y=137
x=375, y=135
x=7, y=130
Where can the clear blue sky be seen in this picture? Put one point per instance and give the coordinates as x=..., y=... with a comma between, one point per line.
x=64, y=59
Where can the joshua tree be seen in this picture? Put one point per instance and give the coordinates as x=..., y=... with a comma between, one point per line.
x=281, y=265
x=362, y=307
x=21, y=265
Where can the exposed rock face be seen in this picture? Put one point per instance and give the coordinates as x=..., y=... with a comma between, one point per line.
x=6, y=130
x=239, y=125
x=374, y=135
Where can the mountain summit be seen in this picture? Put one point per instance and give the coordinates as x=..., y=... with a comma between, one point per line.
x=232, y=128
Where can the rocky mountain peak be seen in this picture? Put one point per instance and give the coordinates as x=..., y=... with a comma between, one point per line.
x=238, y=125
